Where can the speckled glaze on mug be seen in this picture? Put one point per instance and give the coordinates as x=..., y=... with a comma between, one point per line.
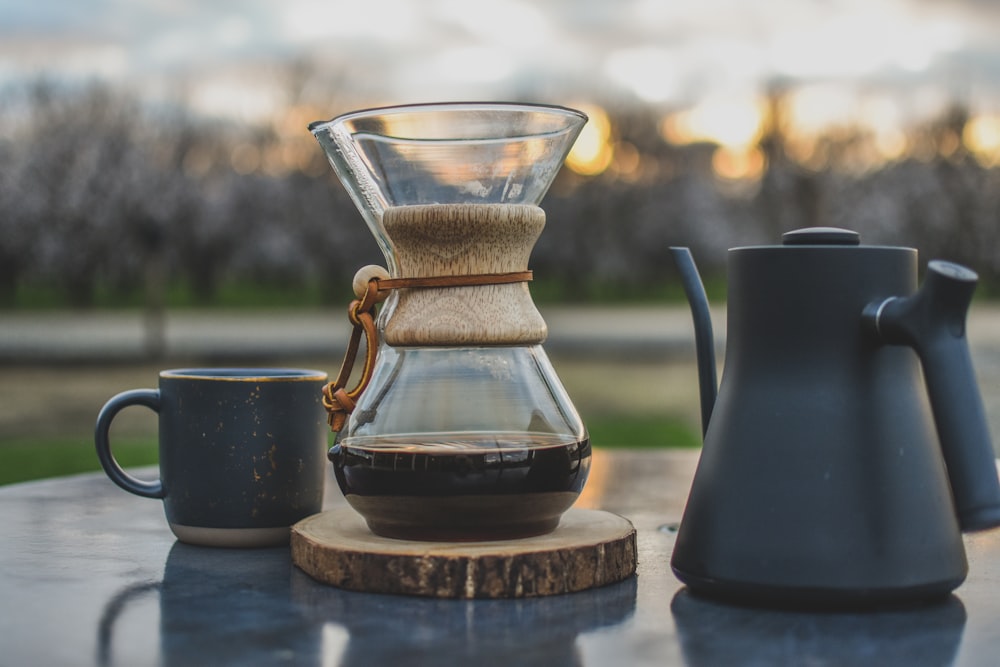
x=242, y=451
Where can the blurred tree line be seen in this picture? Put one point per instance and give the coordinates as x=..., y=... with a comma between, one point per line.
x=99, y=192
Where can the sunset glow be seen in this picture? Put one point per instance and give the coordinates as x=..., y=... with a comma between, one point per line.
x=864, y=72
x=734, y=123
x=592, y=153
x=982, y=138
x=739, y=164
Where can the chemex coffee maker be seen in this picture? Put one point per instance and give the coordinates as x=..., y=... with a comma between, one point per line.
x=458, y=449
x=825, y=479
x=459, y=428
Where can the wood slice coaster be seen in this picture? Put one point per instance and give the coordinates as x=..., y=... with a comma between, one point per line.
x=589, y=548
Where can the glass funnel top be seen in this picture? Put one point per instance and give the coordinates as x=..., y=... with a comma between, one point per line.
x=450, y=153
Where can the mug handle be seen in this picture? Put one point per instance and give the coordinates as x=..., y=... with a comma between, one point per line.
x=147, y=397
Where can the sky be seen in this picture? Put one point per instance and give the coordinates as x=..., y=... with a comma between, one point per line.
x=667, y=53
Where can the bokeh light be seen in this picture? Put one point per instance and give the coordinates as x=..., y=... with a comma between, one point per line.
x=981, y=137
x=593, y=151
x=734, y=125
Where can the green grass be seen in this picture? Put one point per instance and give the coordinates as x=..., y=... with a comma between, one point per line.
x=237, y=295
x=179, y=295
x=640, y=431
x=249, y=295
x=25, y=459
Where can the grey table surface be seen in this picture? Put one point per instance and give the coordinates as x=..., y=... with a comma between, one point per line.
x=90, y=575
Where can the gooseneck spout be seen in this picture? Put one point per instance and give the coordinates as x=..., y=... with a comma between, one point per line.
x=703, y=337
x=932, y=322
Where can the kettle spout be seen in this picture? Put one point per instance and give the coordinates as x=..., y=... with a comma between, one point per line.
x=703, y=336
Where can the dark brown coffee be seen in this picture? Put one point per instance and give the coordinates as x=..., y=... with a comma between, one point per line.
x=493, y=487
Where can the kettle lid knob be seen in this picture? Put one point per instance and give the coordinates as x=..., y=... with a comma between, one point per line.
x=821, y=236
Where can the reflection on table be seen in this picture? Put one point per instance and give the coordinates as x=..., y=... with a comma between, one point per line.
x=92, y=576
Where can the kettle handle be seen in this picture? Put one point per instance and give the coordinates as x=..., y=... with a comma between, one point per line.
x=932, y=322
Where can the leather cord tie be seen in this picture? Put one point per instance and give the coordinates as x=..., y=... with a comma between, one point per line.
x=338, y=401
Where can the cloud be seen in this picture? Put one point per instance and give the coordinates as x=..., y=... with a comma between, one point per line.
x=669, y=52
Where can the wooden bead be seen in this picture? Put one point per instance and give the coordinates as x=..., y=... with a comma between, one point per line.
x=364, y=275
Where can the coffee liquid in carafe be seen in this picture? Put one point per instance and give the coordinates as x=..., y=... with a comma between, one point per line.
x=466, y=489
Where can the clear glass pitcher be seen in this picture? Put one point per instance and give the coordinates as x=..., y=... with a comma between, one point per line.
x=463, y=430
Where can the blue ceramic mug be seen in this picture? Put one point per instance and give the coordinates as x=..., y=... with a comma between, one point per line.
x=242, y=451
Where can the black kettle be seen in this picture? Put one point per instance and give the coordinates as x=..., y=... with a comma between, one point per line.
x=821, y=481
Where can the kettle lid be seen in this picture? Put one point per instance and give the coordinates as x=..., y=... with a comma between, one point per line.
x=821, y=236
